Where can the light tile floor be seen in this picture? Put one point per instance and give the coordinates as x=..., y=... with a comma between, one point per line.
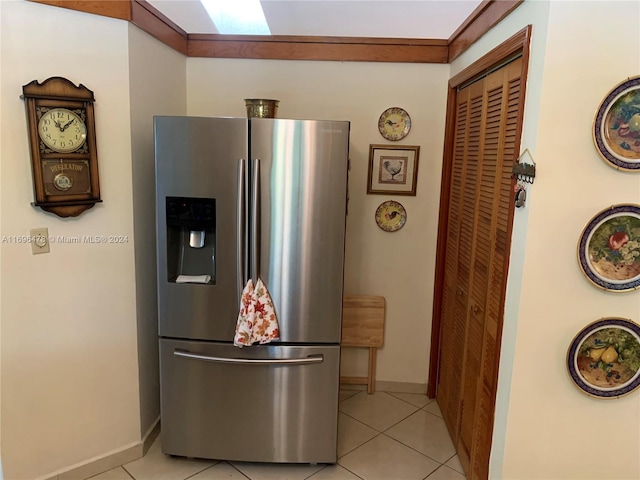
x=384, y=436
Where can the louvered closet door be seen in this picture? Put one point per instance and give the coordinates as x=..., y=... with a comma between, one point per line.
x=476, y=258
x=463, y=193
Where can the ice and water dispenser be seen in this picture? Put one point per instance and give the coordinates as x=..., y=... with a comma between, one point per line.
x=191, y=240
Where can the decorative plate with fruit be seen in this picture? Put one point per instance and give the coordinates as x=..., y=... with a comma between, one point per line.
x=616, y=128
x=604, y=358
x=609, y=248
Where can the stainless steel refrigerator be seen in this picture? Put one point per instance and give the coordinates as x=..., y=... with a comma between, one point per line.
x=240, y=198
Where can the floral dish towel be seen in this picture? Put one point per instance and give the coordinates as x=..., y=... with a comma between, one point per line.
x=257, y=321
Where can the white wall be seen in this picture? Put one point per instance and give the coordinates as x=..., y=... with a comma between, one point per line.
x=158, y=87
x=1, y=471
x=545, y=427
x=397, y=265
x=68, y=346
x=69, y=354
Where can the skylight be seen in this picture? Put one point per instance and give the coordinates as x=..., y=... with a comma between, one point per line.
x=240, y=17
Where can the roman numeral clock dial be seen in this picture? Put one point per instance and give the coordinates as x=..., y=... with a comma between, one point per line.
x=62, y=139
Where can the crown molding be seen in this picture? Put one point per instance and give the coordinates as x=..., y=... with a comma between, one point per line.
x=343, y=49
x=351, y=49
x=482, y=19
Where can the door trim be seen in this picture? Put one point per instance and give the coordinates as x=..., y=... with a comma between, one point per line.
x=518, y=43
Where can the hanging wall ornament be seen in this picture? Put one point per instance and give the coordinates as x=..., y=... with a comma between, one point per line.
x=524, y=172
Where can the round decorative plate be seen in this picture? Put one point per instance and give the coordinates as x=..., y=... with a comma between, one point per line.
x=616, y=127
x=604, y=358
x=394, y=123
x=609, y=248
x=391, y=216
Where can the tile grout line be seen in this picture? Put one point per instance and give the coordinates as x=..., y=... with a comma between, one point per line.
x=382, y=432
x=353, y=473
x=400, y=421
x=215, y=462
x=409, y=446
x=128, y=472
x=417, y=451
x=430, y=400
x=315, y=473
x=443, y=466
x=238, y=470
x=417, y=409
x=326, y=466
x=365, y=442
x=431, y=413
x=376, y=431
x=361, y=422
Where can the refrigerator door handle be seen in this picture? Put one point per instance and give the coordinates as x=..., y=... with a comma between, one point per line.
x=241, y=227
x=255, y=221
x=251, y=361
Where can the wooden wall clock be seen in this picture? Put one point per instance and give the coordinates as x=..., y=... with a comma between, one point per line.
x=62, y=140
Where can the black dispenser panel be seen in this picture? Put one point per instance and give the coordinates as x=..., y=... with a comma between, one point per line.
x=191, y=240
x=192, y=213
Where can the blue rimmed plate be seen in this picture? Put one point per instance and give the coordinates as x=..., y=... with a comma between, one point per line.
x=609, y=248
x=604, y=358
x=616, y=127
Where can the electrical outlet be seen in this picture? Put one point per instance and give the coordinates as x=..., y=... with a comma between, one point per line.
x=39, y=240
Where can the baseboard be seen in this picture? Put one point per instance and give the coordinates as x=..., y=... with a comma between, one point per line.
x=385, y=386
x=110, y=460
x=150, y=436
x=401, y=387
x=117, y=458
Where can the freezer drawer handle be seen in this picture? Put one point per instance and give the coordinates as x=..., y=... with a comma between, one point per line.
x=251, y=361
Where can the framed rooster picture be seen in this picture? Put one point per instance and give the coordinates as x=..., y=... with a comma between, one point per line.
x=393, y=169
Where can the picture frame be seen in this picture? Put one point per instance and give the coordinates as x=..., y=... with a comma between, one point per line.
x=609, y=248
x=616, y=126
x=393, y=169
x=602, y=359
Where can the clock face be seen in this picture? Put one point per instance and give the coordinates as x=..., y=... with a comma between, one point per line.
x=62, y=130
x=394, y=123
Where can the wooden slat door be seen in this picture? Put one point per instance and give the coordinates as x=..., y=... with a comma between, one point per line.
x=458, y=253
x=476, y=260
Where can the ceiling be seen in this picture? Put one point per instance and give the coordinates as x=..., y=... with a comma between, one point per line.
x=424, y=19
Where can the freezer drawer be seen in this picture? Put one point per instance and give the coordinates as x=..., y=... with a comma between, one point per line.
x=256, y=404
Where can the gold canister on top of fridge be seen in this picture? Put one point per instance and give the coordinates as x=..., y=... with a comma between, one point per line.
x=261, y=107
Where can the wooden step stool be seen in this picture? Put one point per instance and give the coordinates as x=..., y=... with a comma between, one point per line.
x=363, y=326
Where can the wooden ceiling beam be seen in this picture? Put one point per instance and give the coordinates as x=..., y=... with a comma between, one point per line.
x=149, y=19
x=120, y=9
x=352, y=49
x=284, y=47
x=482, y=19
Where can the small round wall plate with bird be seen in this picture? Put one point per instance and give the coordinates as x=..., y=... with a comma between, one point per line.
x=394, y=123
x=391, y=216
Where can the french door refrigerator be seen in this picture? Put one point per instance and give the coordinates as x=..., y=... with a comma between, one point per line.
x=240, y=199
